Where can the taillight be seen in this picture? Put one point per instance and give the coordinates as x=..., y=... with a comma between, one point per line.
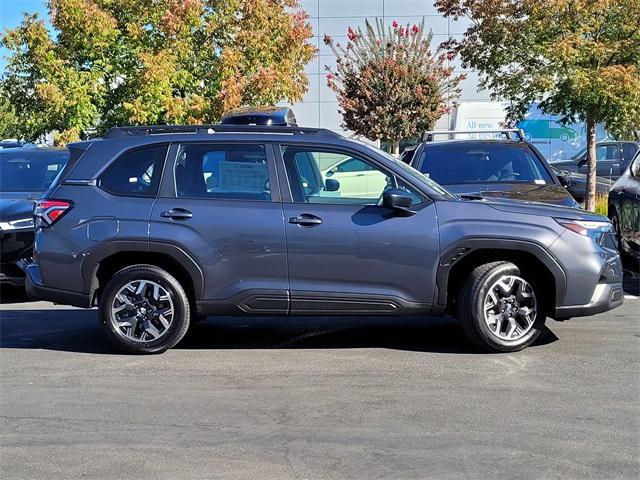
x=47, y=212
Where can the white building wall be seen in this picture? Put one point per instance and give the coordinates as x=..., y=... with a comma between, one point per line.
x=319, y=107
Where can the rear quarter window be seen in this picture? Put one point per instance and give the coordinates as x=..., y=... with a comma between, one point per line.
x=136, y=172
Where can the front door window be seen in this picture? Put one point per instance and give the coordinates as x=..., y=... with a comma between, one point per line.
x=337, y=178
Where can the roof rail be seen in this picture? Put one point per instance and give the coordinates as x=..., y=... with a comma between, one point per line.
x=117, y=132
x=509, y=133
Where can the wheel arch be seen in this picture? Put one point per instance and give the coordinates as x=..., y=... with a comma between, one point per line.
x=458, y=262
x=100, y=265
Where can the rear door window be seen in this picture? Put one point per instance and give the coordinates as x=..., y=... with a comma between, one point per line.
x=136, y=172
x=223, y=171
x=607, y=152
x=628, y=151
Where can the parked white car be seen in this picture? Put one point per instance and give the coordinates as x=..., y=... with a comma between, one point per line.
x=357, y=178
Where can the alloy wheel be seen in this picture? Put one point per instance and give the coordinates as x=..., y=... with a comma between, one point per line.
x=142, y=310
x=510, y=308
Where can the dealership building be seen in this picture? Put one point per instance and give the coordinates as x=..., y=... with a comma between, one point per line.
x=319, y=107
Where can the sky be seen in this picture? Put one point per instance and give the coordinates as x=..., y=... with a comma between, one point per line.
x=11, y=15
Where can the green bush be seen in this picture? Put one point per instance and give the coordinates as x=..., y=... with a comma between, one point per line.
x=602, y=204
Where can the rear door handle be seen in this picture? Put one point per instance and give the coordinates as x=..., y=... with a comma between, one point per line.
x=306, y=220
x=177, y=214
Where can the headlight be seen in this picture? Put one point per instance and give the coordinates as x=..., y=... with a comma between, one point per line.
x=592, y=229
x=21, y=224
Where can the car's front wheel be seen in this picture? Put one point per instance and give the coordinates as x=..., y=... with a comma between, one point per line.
x=144, y=309
x=499, y=308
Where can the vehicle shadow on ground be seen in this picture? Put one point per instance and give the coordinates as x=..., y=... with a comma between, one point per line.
x=78, y=331
x=631, y=282
x=10, y=294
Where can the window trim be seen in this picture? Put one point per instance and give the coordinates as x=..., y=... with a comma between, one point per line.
x=104, y=171
x=169, y=188
x=341, y=150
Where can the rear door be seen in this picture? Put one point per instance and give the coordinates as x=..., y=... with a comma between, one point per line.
x=628, y=151
x=348, y=254
x=607, y=161
x=221, y=205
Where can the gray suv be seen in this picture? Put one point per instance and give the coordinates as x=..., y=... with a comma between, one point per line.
x=162, y=226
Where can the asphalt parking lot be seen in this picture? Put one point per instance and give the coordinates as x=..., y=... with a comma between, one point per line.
x=318, y=398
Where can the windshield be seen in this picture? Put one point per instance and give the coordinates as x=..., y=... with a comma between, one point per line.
x=453, y=163
x=30, y=170
x=411, y=172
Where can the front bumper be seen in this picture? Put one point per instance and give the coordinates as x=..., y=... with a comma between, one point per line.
x=37, y=291
x=606, y=296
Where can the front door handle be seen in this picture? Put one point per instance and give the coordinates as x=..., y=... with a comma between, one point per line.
x=177, y=214
x=306, y=220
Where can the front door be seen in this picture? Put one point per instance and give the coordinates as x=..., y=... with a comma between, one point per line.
x=346, y=253
x=218, y=205
x=629, y=196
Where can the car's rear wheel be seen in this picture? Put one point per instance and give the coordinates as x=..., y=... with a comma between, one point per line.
x=499, y=308
x=144, y=309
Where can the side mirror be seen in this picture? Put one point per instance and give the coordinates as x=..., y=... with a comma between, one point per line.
x=565, y=180
x=635, y=168
x=331, y=185
x=397, y=199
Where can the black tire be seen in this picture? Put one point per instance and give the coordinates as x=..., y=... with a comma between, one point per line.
x=471, y=309
x=181, y=309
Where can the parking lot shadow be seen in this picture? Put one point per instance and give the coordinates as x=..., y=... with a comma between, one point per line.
x=10, y=294
x=631, y=283
x=78, y=331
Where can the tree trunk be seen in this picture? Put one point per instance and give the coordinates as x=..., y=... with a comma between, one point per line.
x=590, y=194
x=395, y=149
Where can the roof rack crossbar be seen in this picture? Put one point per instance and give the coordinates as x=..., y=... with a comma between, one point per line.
x=510, y=133
x=116, y=132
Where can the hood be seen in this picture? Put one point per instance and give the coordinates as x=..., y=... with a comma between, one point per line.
x=540, y=209
x=552, y=194
x=15, y=209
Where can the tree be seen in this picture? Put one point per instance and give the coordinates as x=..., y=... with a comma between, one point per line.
x=389, y=84
x=115, y=62
x=576, y=58
x=8, y=120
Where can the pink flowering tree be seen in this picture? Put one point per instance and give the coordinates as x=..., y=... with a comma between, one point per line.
x=390, y=85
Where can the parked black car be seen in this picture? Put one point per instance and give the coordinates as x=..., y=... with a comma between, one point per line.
x=612, y=159
x=624, y=209
x=25, y=173
x=491, y=168
x=576, y=183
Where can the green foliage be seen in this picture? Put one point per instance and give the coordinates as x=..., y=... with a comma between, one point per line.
x=602, y=204
x=115, y=62
x=8, y=120
x=389, y=84
x=576, y=58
